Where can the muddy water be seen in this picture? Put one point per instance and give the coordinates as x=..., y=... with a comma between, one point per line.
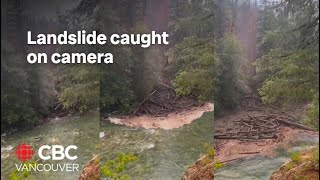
x=261, y=168
x=163, y=154
x=79, y=131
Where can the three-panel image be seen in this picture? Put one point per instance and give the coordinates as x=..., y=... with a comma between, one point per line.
x=159, y=89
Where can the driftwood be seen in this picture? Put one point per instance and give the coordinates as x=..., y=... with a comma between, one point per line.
x=259, y=127
x=283, y=111
x=169, y=87
x=264, y=125
x=296, y=125
x=229, y=160
x=162, y=101
x=144, y=100
x=252, y=152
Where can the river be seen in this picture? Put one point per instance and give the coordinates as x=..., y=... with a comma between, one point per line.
x=163, y=154
x=80, y=131
x=261, y=168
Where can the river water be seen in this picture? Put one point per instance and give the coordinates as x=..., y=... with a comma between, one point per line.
x=163, y=154
x=79, y=131
x=261, y=168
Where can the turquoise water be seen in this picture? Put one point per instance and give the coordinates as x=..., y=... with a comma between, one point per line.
x=79, y=131
x=261, y=168
x=163, y=154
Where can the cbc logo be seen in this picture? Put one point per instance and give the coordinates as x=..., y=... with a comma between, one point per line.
x=25, y=152
x=58, y=152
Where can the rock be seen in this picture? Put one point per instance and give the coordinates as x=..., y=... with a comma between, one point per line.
x=304, y=168
x=5, y=155
x=150, y=146
x=202, y=169
x=8, y=148
x=151, y=131
x=38, y=138
x=101, y=135
x=76, y=132
x=115, y=120
x=91, y=171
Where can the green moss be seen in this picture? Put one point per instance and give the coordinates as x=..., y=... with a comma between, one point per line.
x=296, y=157
x=218, y=165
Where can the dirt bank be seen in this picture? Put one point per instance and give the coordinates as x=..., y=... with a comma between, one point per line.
x=171, y=121
x=303, y=165
x=228, y=150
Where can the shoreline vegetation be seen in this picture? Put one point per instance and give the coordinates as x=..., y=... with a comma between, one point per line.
x=303, y=165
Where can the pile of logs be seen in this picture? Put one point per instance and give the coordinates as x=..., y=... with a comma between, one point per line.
x=162, y=101
x=259, y=127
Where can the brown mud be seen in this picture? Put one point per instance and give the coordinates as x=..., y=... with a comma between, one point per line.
x=256, y=129
x=170, y=121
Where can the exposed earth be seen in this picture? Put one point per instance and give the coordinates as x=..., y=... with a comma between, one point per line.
x=171, y=121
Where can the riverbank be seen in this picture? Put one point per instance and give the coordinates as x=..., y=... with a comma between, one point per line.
x=77, y=130
x=171, y=121
x=303, y=165
x=284, y=135
x=230, y=150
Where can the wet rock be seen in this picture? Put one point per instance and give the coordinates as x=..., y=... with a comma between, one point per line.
x=147, y=146
x=200, y=170
x=304, y=167
x=38, y=138
x=101, y=135
x=91, y=171
x=150, y=146
x=7, y=148
x=76, y=132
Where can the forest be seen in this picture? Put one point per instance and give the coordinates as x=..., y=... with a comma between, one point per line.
x=285, y=70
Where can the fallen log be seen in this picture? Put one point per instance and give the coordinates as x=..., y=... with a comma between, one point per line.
x=169, y=87
x=284, y=112
x=140, y=104
x=252, y=152
x=229, y=160
x=296, y=125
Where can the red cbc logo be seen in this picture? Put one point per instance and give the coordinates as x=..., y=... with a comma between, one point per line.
x=24, y=152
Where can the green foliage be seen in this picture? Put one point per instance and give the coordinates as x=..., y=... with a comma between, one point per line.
x=115, y=169
x=194, y=57
x=289, y=46
x=290, y=76
x=296, y=157
x=17, y=107
x=227, y=74
x=194, y=18
x=218, y=165
x=146, y=66
x=80, y=88
x=210, y=150
x=21, y=175
x=85, y=87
